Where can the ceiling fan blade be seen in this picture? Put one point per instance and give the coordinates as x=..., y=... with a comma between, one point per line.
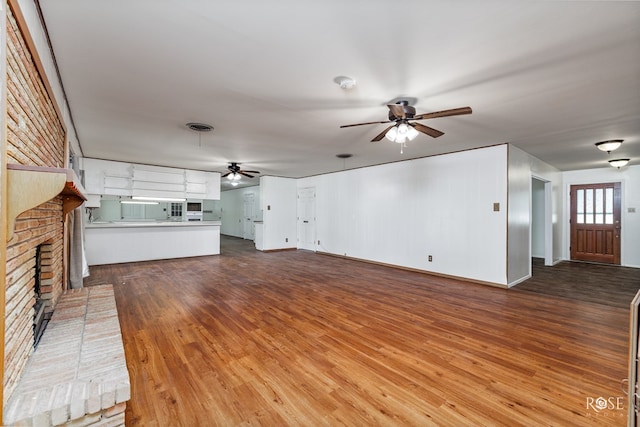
x=367, y=123
x=397, y=110
x=228, y=173
x=382, y=134
x=426, y=129
x=444, y=113
x=245, y=174
x=249, y=171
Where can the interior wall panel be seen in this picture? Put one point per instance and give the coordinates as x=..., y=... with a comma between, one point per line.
x=402, y=213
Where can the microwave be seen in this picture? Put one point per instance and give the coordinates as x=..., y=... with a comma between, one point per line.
x=194, y=206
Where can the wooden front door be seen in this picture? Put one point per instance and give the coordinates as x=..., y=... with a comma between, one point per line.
x=595, y=223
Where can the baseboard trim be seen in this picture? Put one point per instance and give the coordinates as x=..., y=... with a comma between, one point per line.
x=417, y=270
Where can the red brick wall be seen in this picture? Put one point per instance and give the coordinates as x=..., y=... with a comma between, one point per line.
x=35, y=136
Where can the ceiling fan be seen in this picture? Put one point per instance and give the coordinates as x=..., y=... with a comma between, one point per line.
x=235, y=172
x=402, y=115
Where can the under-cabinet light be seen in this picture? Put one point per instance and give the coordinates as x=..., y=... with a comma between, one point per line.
x=159, y=199
x=137, y=202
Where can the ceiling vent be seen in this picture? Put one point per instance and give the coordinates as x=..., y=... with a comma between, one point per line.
x=199, y=127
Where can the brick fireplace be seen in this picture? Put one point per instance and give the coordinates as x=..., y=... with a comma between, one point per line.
x=41, y=226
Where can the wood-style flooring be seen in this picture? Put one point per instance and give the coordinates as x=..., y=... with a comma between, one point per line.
x=294, y=338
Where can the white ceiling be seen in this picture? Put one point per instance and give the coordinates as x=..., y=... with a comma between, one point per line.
x=550, y=77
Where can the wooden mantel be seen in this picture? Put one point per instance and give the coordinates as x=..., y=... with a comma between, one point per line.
x=30, y=186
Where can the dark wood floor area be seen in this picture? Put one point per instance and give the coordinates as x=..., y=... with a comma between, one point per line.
x=598, y=283
x=295, y=338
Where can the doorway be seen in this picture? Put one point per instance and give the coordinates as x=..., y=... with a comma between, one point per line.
x=595, y=223
x=541, y=220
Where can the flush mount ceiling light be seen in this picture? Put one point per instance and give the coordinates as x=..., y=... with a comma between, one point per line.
x=610, y=145
x=618, y=163
x=345, y=83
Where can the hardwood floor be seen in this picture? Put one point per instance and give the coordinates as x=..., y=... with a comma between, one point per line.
x=296, y=338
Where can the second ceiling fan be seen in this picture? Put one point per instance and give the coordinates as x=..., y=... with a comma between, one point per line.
x=235, y=172
x=402, y=115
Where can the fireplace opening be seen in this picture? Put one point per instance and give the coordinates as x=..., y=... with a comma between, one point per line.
x=40, y=317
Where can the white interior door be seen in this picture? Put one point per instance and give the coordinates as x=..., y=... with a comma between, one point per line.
x=248, y=216
x=307, y=218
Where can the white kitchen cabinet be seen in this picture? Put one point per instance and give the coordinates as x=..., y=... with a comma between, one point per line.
x=93, y=201
x=107, y=177
x=157, y=181
x=126, y=179
x=202, y=185
x=196, y=184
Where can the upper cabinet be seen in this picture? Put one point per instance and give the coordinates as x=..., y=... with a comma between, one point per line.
x=155, y=181
x=126, y=179
x=107, y=177
x=202, y=185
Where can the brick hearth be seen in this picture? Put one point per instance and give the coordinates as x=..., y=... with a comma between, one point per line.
x=78, y=373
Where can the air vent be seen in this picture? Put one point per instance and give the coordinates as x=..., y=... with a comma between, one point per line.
x=199, y=127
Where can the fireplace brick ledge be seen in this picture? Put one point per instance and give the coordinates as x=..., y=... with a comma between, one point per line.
x=78, y=373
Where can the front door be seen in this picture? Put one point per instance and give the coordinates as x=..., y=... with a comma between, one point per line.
x=595, y=223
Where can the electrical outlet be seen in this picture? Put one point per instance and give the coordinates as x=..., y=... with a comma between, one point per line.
x=430, y=258
x=286, y=240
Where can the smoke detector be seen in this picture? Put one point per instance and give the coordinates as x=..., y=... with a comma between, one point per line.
x=346, y=83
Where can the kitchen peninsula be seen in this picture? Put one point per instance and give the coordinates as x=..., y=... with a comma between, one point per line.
x=111, y=242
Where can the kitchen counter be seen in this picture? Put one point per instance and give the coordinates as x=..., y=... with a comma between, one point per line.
x=131, y=241
x=128, y=224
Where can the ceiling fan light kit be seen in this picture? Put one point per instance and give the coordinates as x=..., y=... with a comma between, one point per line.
x=401, y=133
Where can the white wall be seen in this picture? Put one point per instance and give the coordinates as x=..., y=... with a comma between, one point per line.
x=519, y=217
x=279, y=206
x=629, y=177
x=232, y=209
x=400, y=213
